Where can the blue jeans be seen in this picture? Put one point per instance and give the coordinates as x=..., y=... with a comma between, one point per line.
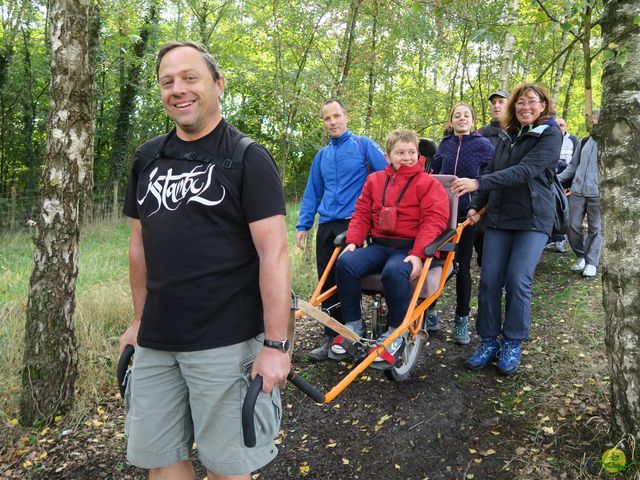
x=509, y=259
x=352, y=266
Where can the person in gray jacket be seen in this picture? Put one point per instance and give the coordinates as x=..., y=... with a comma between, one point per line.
x=584, y=200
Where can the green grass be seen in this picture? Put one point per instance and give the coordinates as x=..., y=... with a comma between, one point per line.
x=103, y=309
x=103, y=305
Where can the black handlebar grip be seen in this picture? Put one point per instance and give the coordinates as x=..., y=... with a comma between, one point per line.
x=249, y=404
x=304, y=386
x=123, y=365
x=248, y=407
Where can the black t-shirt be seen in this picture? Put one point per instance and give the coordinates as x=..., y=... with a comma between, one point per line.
x=202, y=266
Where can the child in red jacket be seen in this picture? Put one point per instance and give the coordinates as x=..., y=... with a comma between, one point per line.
x=403, y=209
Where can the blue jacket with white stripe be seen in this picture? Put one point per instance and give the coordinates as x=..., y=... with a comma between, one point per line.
x=336, y=178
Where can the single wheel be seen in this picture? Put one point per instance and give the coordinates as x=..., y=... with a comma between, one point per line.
x=407, y=359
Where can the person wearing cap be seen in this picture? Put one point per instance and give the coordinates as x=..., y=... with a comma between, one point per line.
x=492, y=129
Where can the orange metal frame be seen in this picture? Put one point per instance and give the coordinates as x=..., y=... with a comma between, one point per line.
x=412, y=320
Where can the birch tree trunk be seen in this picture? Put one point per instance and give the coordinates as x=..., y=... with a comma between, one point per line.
x=562, y=64
x=619, y=142
x=533, y=43
x=509, y=46
x=50, y=354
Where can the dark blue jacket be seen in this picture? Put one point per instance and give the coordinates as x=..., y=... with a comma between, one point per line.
x=464, y=156
x=516, y=184
x=336, y=178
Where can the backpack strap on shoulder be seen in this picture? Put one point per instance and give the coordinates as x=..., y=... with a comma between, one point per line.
x=238, y=153
x=363, y=152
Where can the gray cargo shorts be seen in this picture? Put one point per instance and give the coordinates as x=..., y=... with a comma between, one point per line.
x=176, y=398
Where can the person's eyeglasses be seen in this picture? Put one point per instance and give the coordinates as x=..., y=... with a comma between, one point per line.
x=521, y=104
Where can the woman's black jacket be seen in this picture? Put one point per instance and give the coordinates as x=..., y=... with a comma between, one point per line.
x=516, y=184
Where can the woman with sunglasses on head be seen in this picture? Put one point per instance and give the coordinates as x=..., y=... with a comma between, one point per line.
x=465, y=153
x=516, y=189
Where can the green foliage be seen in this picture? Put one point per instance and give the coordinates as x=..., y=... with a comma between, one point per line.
x=410, y=61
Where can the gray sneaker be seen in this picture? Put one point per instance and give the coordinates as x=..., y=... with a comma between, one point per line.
x=343, y=348
x=461, y=330
x=431, y=321
x=321, y=353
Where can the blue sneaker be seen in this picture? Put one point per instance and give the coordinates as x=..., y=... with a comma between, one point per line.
x=461, y=330
x=431, y=322
x=509, y=356
x=487, y=351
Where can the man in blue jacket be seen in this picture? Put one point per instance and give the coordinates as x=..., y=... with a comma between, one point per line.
x=336, y=178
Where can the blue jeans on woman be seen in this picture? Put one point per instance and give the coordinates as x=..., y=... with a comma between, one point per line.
x=352, y=266
x=509, y=260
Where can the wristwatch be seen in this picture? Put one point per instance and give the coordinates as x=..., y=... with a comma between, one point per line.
x=282, y=345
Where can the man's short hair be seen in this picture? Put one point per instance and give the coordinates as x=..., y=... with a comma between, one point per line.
x=208, y=58
x=596, y=112
x=333, y=100
x=401, y=135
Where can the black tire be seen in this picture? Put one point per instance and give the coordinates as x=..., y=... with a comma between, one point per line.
x=407, y=360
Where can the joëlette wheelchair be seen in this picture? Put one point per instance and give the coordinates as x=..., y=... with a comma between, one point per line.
x=426, y=289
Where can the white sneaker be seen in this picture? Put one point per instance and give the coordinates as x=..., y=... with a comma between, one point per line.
x=578, y=265
x=560, y=246
x=589, y=271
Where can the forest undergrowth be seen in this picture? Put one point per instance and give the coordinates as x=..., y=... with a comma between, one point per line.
x=551, y=420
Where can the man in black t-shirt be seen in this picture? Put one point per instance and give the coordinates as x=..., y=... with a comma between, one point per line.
x=209, y=275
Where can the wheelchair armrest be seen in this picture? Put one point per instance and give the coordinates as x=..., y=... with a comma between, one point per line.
x=339, y=241
x=439, y=242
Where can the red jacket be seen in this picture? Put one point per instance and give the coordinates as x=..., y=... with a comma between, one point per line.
x=423, y=212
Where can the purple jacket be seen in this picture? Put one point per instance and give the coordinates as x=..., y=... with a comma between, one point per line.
x=465, y=156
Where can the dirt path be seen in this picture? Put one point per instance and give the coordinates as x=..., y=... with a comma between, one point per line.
x=549, y=421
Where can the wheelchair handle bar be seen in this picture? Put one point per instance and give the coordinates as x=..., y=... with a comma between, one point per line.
x=249, y=404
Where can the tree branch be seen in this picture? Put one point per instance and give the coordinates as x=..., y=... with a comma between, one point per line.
x=556, y=58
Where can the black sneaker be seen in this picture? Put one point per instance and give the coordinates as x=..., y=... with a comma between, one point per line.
x=321, y=353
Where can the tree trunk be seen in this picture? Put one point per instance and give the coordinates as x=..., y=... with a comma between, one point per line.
x=533, y=43
x=619, y=143
x=371, y=74
x=128, y=92
x=50, y=354
x=30, y=158
x=561, y=68
x=567, y=95
x=289, y=94
x=95, y=25
x=509, y=46
x=586, y=53
x=347, y=48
